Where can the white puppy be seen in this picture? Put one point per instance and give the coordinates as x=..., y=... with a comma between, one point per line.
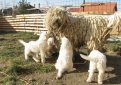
x=51, y=46
x=64, y=61
x=37, y=47
x=97, y=61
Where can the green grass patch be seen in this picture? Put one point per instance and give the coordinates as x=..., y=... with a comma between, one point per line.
x=112, y=46
x=12, y=59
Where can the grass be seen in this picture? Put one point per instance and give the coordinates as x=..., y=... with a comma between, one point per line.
x=113, y=46
x=12, y=62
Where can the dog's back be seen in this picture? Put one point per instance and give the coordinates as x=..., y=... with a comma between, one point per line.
x=97, y=59
x=64, y=61
x=65, y=55
x=66, y=48
x=95, y=56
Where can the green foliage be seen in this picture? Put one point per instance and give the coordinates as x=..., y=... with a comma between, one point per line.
x=42, y=68
x=23, y=6
x=10, y=80
x=14, y=69
x=12, y=57
x=113, y=45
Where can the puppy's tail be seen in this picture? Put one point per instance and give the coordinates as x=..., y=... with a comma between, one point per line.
x=22, y=42
x=85, y=57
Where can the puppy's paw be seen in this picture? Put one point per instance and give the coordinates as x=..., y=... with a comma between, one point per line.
x=88, y=80
x=43, y=61
x=36, y=60
x=57, y=77
x=100, y=82
x=26, y=59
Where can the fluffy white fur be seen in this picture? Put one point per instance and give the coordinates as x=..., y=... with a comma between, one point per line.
x=37, y=47
x=90, y=30
x=97, y=61
x=50, y=42
x=64, y=61
x=51, y=45
x=114, y=20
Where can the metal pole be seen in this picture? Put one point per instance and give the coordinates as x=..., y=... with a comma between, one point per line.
x=84, y=5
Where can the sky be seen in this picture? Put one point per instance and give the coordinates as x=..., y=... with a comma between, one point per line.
x=10, y=3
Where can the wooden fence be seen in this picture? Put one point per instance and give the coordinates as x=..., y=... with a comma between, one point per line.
x=27, y=23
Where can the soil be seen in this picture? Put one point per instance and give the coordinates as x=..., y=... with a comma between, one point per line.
x=78, y=77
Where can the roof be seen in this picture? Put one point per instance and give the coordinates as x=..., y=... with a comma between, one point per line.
x=95, y=7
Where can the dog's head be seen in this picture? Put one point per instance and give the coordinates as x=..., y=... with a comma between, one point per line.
x=56, y=17
x=43, y=35
x=65, y=41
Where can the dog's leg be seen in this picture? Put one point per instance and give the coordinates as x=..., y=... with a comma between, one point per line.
x=26, y=53
x=101, y=68
x=59, y=74
x=100, y=77
x=35, y=58
x=89, y=79
x=43, y=55
x=71, y=69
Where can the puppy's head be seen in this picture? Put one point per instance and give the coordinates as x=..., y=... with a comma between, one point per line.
x=65, y=41
x=43, y=35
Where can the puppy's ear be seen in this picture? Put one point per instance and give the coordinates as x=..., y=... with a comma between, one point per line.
x=40, y=33
x=62, y=35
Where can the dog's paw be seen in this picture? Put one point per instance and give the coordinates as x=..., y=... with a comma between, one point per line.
x=57, y=77
x=37, y=61
x=88, y=80
x=43, y=61
x=100, y=82
x=26, y=59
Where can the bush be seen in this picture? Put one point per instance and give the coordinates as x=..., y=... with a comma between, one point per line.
x=112, y=46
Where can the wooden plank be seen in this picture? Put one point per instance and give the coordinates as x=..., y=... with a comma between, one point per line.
x=18, y=21
x=23, y=30
x=26, y=15
x=22, y=22
x=27, y=18
x=23, y=18
x=32, y=15
x=22, y=27
x=4, y=26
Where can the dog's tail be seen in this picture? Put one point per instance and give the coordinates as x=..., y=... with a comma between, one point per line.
x=22, y=42
x=85, y=57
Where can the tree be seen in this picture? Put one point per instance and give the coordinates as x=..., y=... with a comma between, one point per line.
x=23, y=6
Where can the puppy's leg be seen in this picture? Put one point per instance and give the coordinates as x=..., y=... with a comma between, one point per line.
x=101, y=68
x=92, y=67
x=35, y=58
x=59, y=74
x=43, y=55
x=90, y=77
x=26, y=53
x=100, y=77
x=70, y=68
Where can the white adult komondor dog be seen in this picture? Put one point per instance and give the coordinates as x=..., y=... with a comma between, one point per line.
x=64, y=61
x=97, y=61
x=90, y=30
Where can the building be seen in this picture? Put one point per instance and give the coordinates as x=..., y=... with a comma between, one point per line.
x=95, y=7
x=37, y=10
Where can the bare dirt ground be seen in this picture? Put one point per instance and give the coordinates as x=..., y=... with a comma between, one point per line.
x=79, y=76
